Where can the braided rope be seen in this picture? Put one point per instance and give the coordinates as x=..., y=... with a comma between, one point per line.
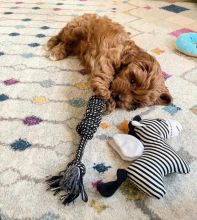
x=71, y=180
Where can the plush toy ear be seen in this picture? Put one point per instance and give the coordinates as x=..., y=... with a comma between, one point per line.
x=136, y=124
x=131, y=129
x=132, y=124
x=137, y=118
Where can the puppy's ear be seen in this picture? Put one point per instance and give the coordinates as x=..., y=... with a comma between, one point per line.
x=128, y=52
x=126, y=58
x=165, y=98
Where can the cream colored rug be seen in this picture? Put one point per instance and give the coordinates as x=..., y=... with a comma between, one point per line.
x=41, y=101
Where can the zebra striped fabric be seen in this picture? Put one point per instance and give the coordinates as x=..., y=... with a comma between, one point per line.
x=158, y=159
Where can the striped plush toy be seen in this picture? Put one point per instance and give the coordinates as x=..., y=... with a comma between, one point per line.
x=157, y=160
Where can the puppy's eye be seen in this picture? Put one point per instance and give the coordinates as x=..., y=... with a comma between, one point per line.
x=132, y=81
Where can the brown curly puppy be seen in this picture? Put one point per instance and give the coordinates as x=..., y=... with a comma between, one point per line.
x=121, y=72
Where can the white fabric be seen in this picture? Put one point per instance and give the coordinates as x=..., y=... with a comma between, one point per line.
x=136, y=124
x=128, y=147
x=175, y=127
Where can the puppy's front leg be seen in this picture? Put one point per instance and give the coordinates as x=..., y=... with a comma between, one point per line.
x=101, y=76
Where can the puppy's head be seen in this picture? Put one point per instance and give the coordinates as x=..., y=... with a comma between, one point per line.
x=139, y=81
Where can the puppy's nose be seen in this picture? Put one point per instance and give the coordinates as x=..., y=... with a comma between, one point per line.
x=118, y=97
x=134, y=106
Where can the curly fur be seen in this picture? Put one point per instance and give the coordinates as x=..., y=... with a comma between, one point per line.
x=121, y=72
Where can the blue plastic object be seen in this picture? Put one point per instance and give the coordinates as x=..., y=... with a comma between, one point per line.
x=187, y=44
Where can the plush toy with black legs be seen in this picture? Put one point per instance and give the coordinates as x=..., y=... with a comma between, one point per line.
x=155, y=161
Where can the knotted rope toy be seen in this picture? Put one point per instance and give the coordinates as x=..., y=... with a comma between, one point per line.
x=70, y=180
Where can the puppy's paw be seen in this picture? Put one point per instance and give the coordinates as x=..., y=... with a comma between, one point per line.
x=58, y=53
x=45, y=51
x=52, y=42
x=53, y=57
x=46, y=48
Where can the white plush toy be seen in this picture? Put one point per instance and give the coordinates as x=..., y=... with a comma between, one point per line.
x=128, y=147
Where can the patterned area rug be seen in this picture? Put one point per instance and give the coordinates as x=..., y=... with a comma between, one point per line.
x=41, y=101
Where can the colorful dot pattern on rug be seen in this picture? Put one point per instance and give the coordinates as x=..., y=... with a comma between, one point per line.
x=32, y=120
x=174, y=8
x=172, y=109
x=42, y=101
x=97, y=205
x=20, y=145
x=101, y=167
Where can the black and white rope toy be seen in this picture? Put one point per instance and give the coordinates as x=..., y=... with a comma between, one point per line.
x=70, y=180
x=157, y=160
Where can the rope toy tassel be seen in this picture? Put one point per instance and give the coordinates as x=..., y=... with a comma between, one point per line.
x=70, y=181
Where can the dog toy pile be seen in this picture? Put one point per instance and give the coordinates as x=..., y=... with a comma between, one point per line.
x=70, y=181
x=157, y=160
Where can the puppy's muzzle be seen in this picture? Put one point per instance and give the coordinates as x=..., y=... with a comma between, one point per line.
x=117, y=97
x=134, y=106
